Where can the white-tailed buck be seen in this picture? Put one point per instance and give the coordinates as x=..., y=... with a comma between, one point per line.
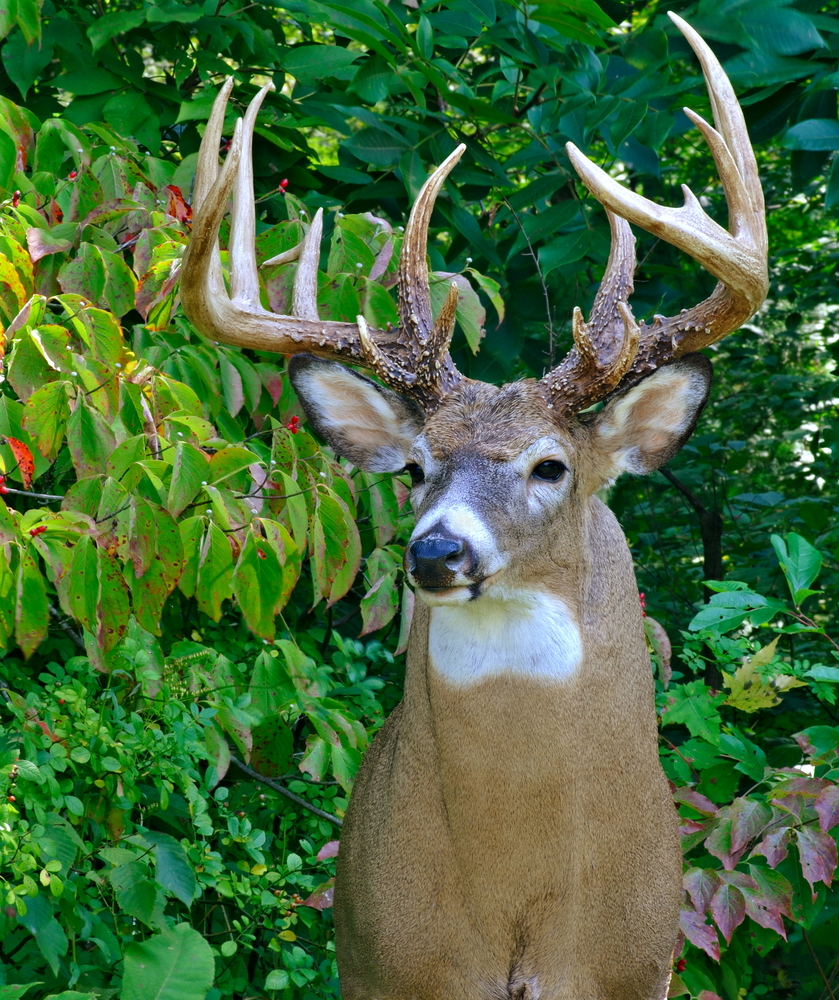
x=511, y=833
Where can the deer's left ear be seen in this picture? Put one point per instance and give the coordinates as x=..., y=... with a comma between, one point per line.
x=643, y=428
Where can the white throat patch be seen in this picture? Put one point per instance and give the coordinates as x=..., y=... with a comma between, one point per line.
x=529, y=634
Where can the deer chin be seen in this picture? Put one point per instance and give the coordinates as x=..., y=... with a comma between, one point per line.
x=437, y=597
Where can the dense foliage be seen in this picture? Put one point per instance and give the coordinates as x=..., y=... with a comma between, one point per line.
x=203, y=613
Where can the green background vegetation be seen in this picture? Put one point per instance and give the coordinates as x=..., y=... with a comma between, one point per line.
x=203, y=613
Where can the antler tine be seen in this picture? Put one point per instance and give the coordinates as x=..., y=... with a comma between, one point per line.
x=738, y=257
x=244, y=283
x=429, y=372
x=238, y=318
x=605, y=347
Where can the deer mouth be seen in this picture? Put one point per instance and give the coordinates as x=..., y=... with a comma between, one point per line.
x=457, y=594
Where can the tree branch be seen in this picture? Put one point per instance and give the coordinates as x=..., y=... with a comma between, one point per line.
x=284, y=791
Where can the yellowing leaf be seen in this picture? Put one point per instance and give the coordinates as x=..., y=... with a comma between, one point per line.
x=749, y=691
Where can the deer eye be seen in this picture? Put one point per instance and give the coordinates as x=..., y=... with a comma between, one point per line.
x=550, y=471
x=415, y=472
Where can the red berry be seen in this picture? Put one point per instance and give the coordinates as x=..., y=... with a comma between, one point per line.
x=72, y=175
x=16, y=199
x=38, y=531
x=283, y=184
x=60, y=701
x=12, y=798
x=681, y=965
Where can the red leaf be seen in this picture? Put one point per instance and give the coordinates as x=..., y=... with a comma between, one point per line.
x=321, y=898
x=728, y=908
x=796, y=795
x=701, y=884
x=817, y=853
x=329, y=850
x=25, y=461
x=827, y=807
x=688, y=827
x=708, y=995
x=774, y=846
x=177, y=207
x=699, y=933
x=763, y=913
x=690, y=797
x=748, y=818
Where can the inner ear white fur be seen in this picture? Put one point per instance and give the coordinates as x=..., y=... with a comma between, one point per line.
x=371, y=426
x=644, y=428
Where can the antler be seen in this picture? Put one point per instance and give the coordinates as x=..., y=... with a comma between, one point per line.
x=611, y=351
x=414, y=359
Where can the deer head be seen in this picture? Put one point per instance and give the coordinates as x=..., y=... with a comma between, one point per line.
x=425, y=414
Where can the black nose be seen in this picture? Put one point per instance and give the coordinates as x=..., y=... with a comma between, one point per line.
x=433, y=562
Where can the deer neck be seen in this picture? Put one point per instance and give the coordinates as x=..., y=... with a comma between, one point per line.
x=518, y=697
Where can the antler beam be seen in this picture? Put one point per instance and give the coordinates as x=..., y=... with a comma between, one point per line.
x=413, y=359
x=611, y=351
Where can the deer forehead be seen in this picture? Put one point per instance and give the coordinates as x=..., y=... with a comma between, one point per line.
x=498, y=424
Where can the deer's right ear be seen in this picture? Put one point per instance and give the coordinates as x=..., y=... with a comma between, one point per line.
x=361, y=420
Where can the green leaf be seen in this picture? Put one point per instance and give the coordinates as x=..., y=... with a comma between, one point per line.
x=32, y=616
x=309, y=63
x=135, y=891
x=175, y=965
x=373, y=145
x=752, y=760
x=228, y=462
x=277, y=979
x=85, y=275
x=800, y=562
x=190, y=470
x=215, y=572
x=82, y=583
x=565, y=250
x=45, y=416
x=24, y=61
x=380, y=603
x=271, y=687
x=90, y=440
x=15, y=992
x=172, y=868
x=787, y=32
x=693, y=705
x=8, y=160
x=813, y=134
x=728, y=610
x=103, y=29
x=273, y=745
x=257, y=580
x=112, y=609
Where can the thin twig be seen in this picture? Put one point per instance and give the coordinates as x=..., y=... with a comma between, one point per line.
x=35, y=496
x=284, y=791
x=62, y=623
x=825, y=980
x=535, y=257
